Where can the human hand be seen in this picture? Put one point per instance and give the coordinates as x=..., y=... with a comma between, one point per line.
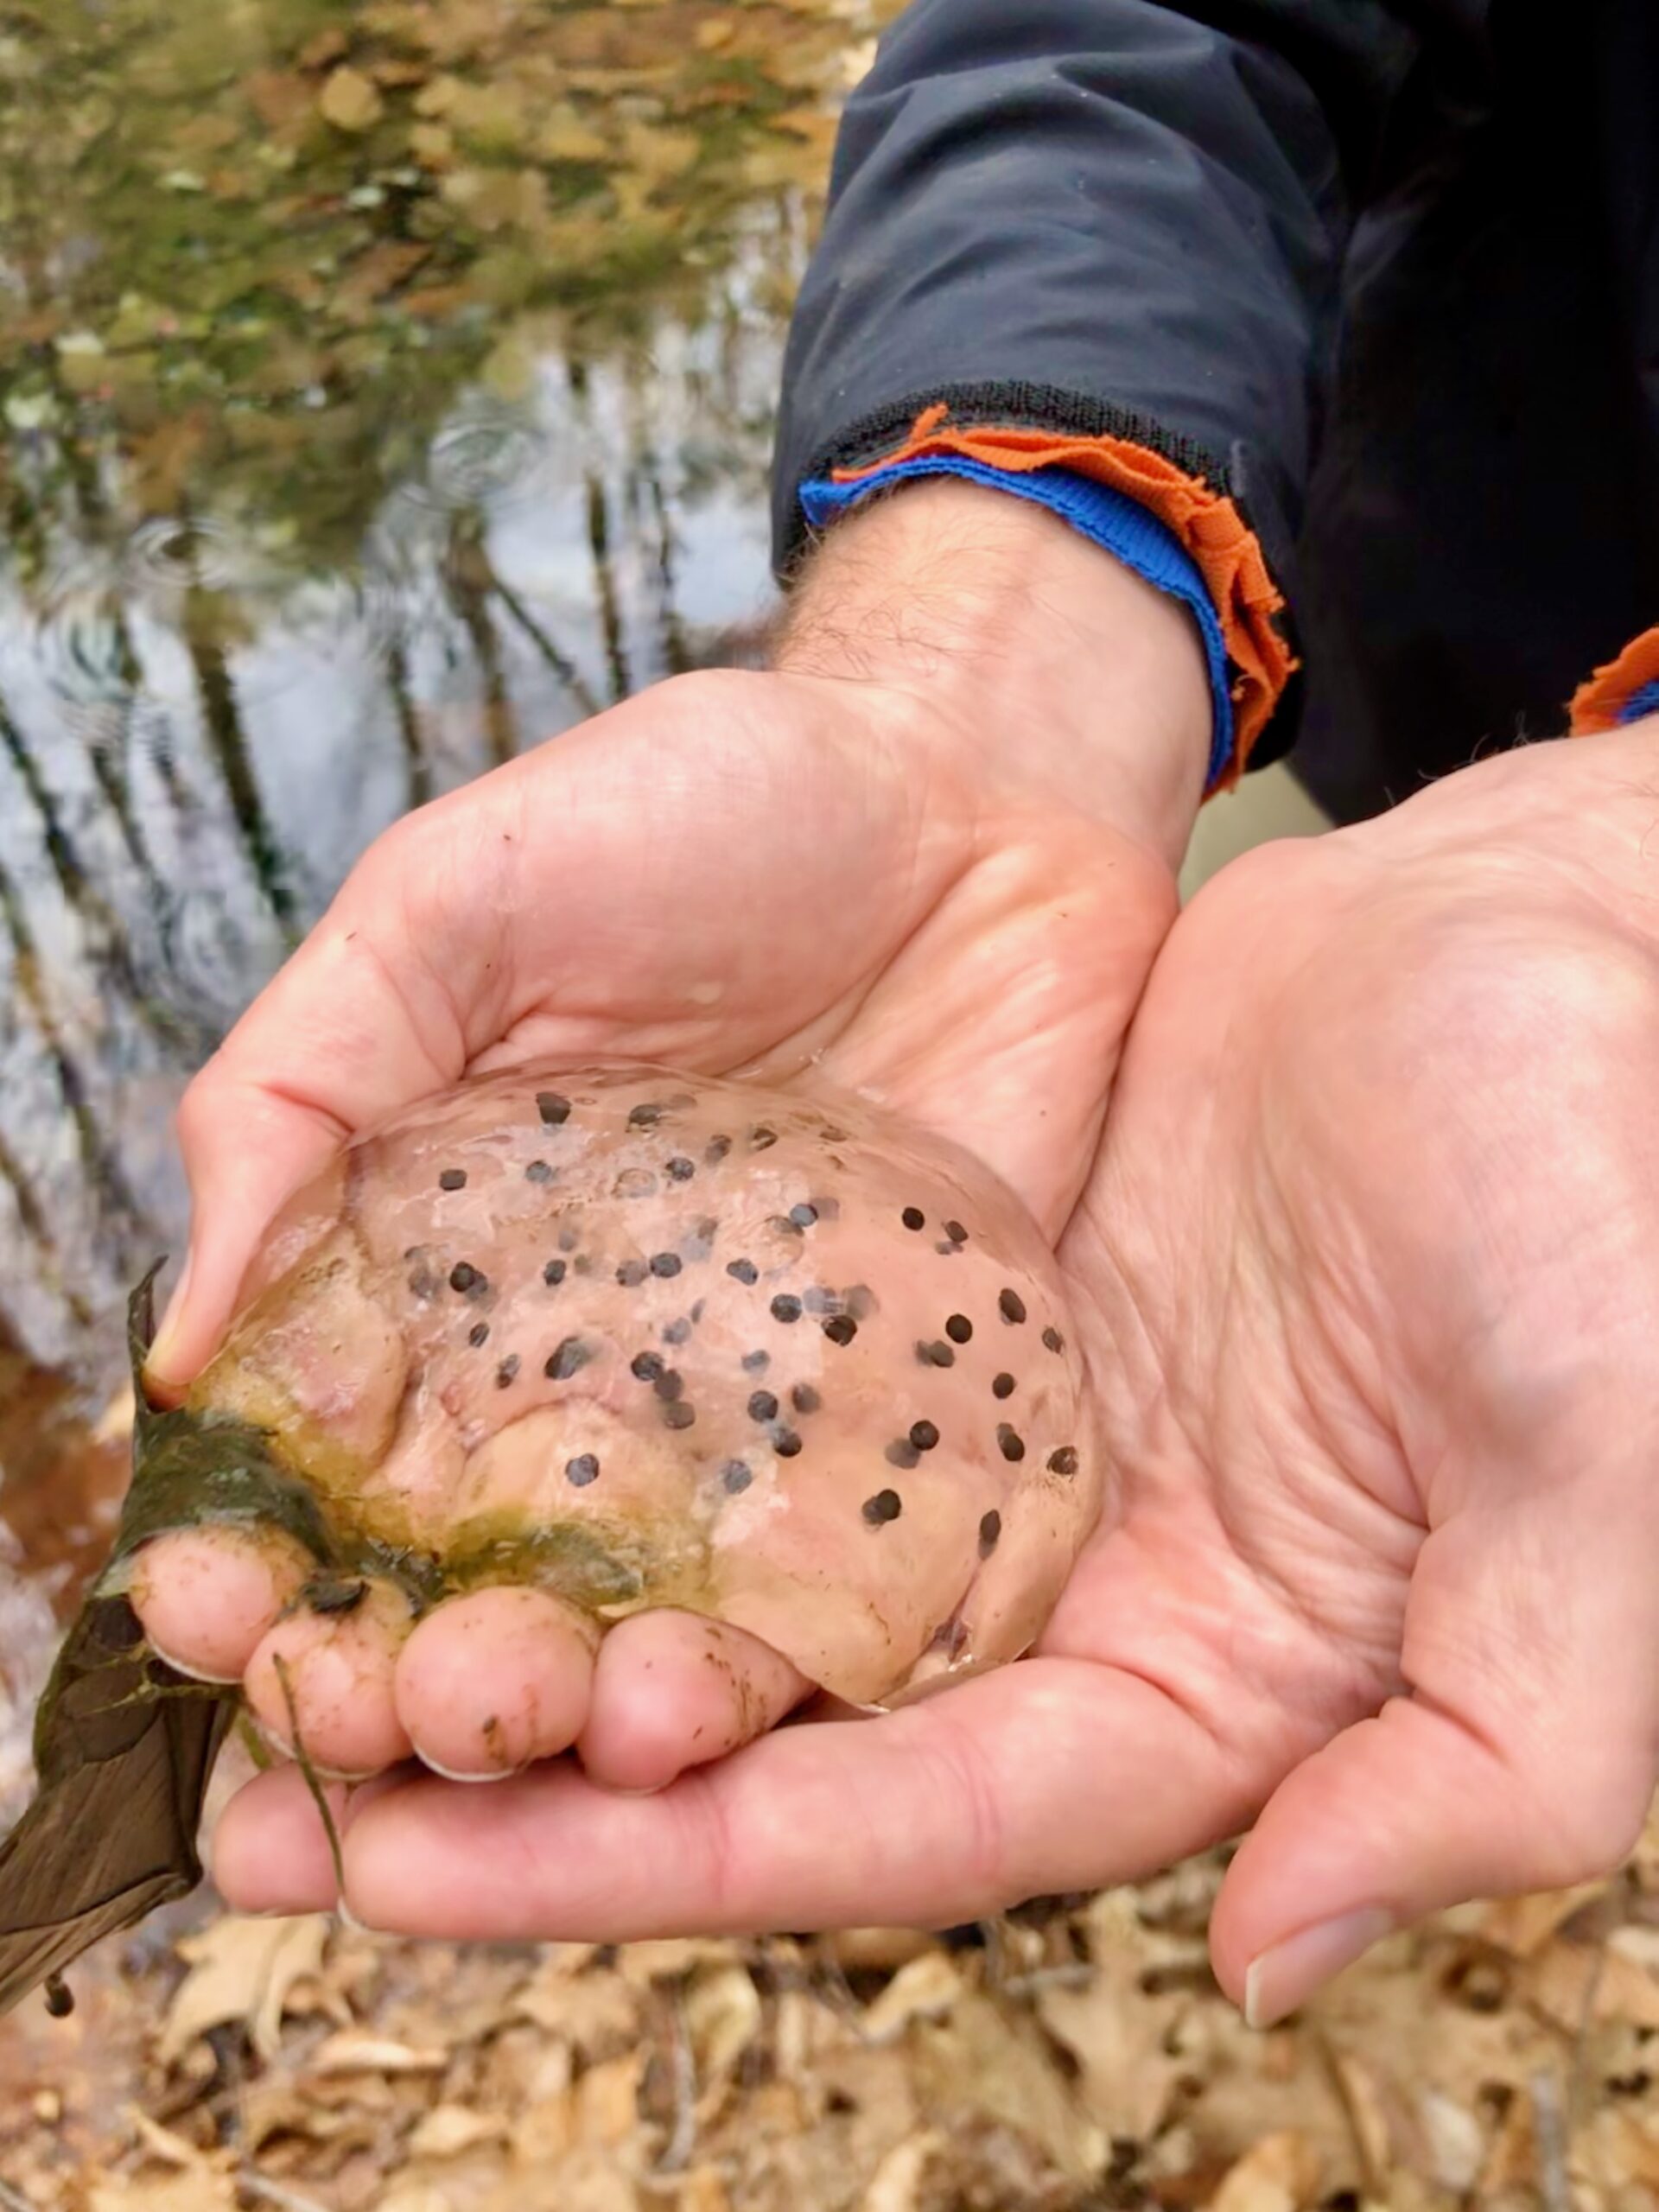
x=929, y=859
x=1369, y=1290
x=929, y=856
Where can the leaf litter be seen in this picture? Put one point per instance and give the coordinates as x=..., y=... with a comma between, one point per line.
x=1074, y=2055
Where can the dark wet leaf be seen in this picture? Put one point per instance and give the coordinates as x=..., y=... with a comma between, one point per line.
x=123, y=1747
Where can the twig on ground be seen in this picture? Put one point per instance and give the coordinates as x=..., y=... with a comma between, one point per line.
x=273, y=2193
x=1078, y=1973
x=684, y=2068
x=1549, y=2134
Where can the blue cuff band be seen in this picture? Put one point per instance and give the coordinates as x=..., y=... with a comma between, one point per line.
x=1644, y=702
x=1119, y=526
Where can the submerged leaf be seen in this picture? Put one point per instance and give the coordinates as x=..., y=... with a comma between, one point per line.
x=351, y=101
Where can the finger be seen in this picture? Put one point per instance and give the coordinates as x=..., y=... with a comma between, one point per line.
x=1050, y=1775
x=206, y=1596
x=354, y=1027
x=492, y=1681
x=302, y=1878
x=672, y=1691
x=1524, y=1759
x=321, y=1684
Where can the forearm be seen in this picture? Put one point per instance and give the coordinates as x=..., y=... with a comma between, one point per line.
x=1046, y=662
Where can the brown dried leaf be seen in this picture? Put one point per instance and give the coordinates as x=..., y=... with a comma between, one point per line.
x=1572, y=1983
x=278, y=97
x=438, y=95
x=1118, y=2035
x=1511, y=2163
x=924, y=1990
x=587, y=2180
x=980, y=2060
x=546, y=2131
x=274, y=2107
x=376, y=272
x=855, y=1949
x=607, y=2100
x=160, y=2143
x=1455, y=2141
x=328, y=45
x=356, y=2050
x=722, y=2016
x=1275, y=2175
x=242, y=1970
x=351, y=101
x=564, y=135
x=642, y=1963
x=1627, y=2144
x=200, y=2191
x=1522, y=1926
x=449, y=2130
x=702, y=2190
x=597, y=2014
x=658, y=154
x=895, y=2186
x=432, y=145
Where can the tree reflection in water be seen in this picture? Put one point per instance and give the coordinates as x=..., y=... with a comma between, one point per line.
x=340, y=459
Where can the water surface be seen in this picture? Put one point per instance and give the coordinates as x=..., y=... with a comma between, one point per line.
x=383, y=388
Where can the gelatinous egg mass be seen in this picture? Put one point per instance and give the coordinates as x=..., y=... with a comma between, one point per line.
x=650, y=1340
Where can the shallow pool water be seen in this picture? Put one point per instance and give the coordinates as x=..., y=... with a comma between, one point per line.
x=383, y=389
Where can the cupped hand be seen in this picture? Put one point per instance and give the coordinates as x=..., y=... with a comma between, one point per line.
x=1370, y=1282
x=929, y=858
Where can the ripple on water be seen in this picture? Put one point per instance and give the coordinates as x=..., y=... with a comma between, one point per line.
x=207, y=580
x=487, y=454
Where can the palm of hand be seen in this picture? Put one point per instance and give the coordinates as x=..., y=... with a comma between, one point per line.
x=780, y=874
x=1370, y=1313
x=1384, y=1370
x=789, y=876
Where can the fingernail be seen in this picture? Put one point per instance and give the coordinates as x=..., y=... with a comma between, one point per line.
x=347, y=1919
x=156, y=1359
x=1287, y=1975
x=449, y=1774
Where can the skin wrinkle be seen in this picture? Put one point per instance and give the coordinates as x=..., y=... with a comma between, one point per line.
x=968, y=1783
x=1325, y=1624
x=1587, y=1838
x=816, y=1046
x=1301, y=1340
x=1294, y=1705
x=1193, y=1703
x=1507, y=1647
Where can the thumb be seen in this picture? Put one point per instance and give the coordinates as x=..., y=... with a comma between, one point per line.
x=1522, y=1758
x=246, y=1149
x=349, y=1032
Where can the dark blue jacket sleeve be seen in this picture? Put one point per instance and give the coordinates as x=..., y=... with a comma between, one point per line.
x=1101, y=217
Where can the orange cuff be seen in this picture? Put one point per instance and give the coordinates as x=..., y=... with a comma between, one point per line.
x=1603, y=702
x=1207, y=522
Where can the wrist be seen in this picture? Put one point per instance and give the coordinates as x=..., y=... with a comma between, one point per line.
x=1047, y=664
